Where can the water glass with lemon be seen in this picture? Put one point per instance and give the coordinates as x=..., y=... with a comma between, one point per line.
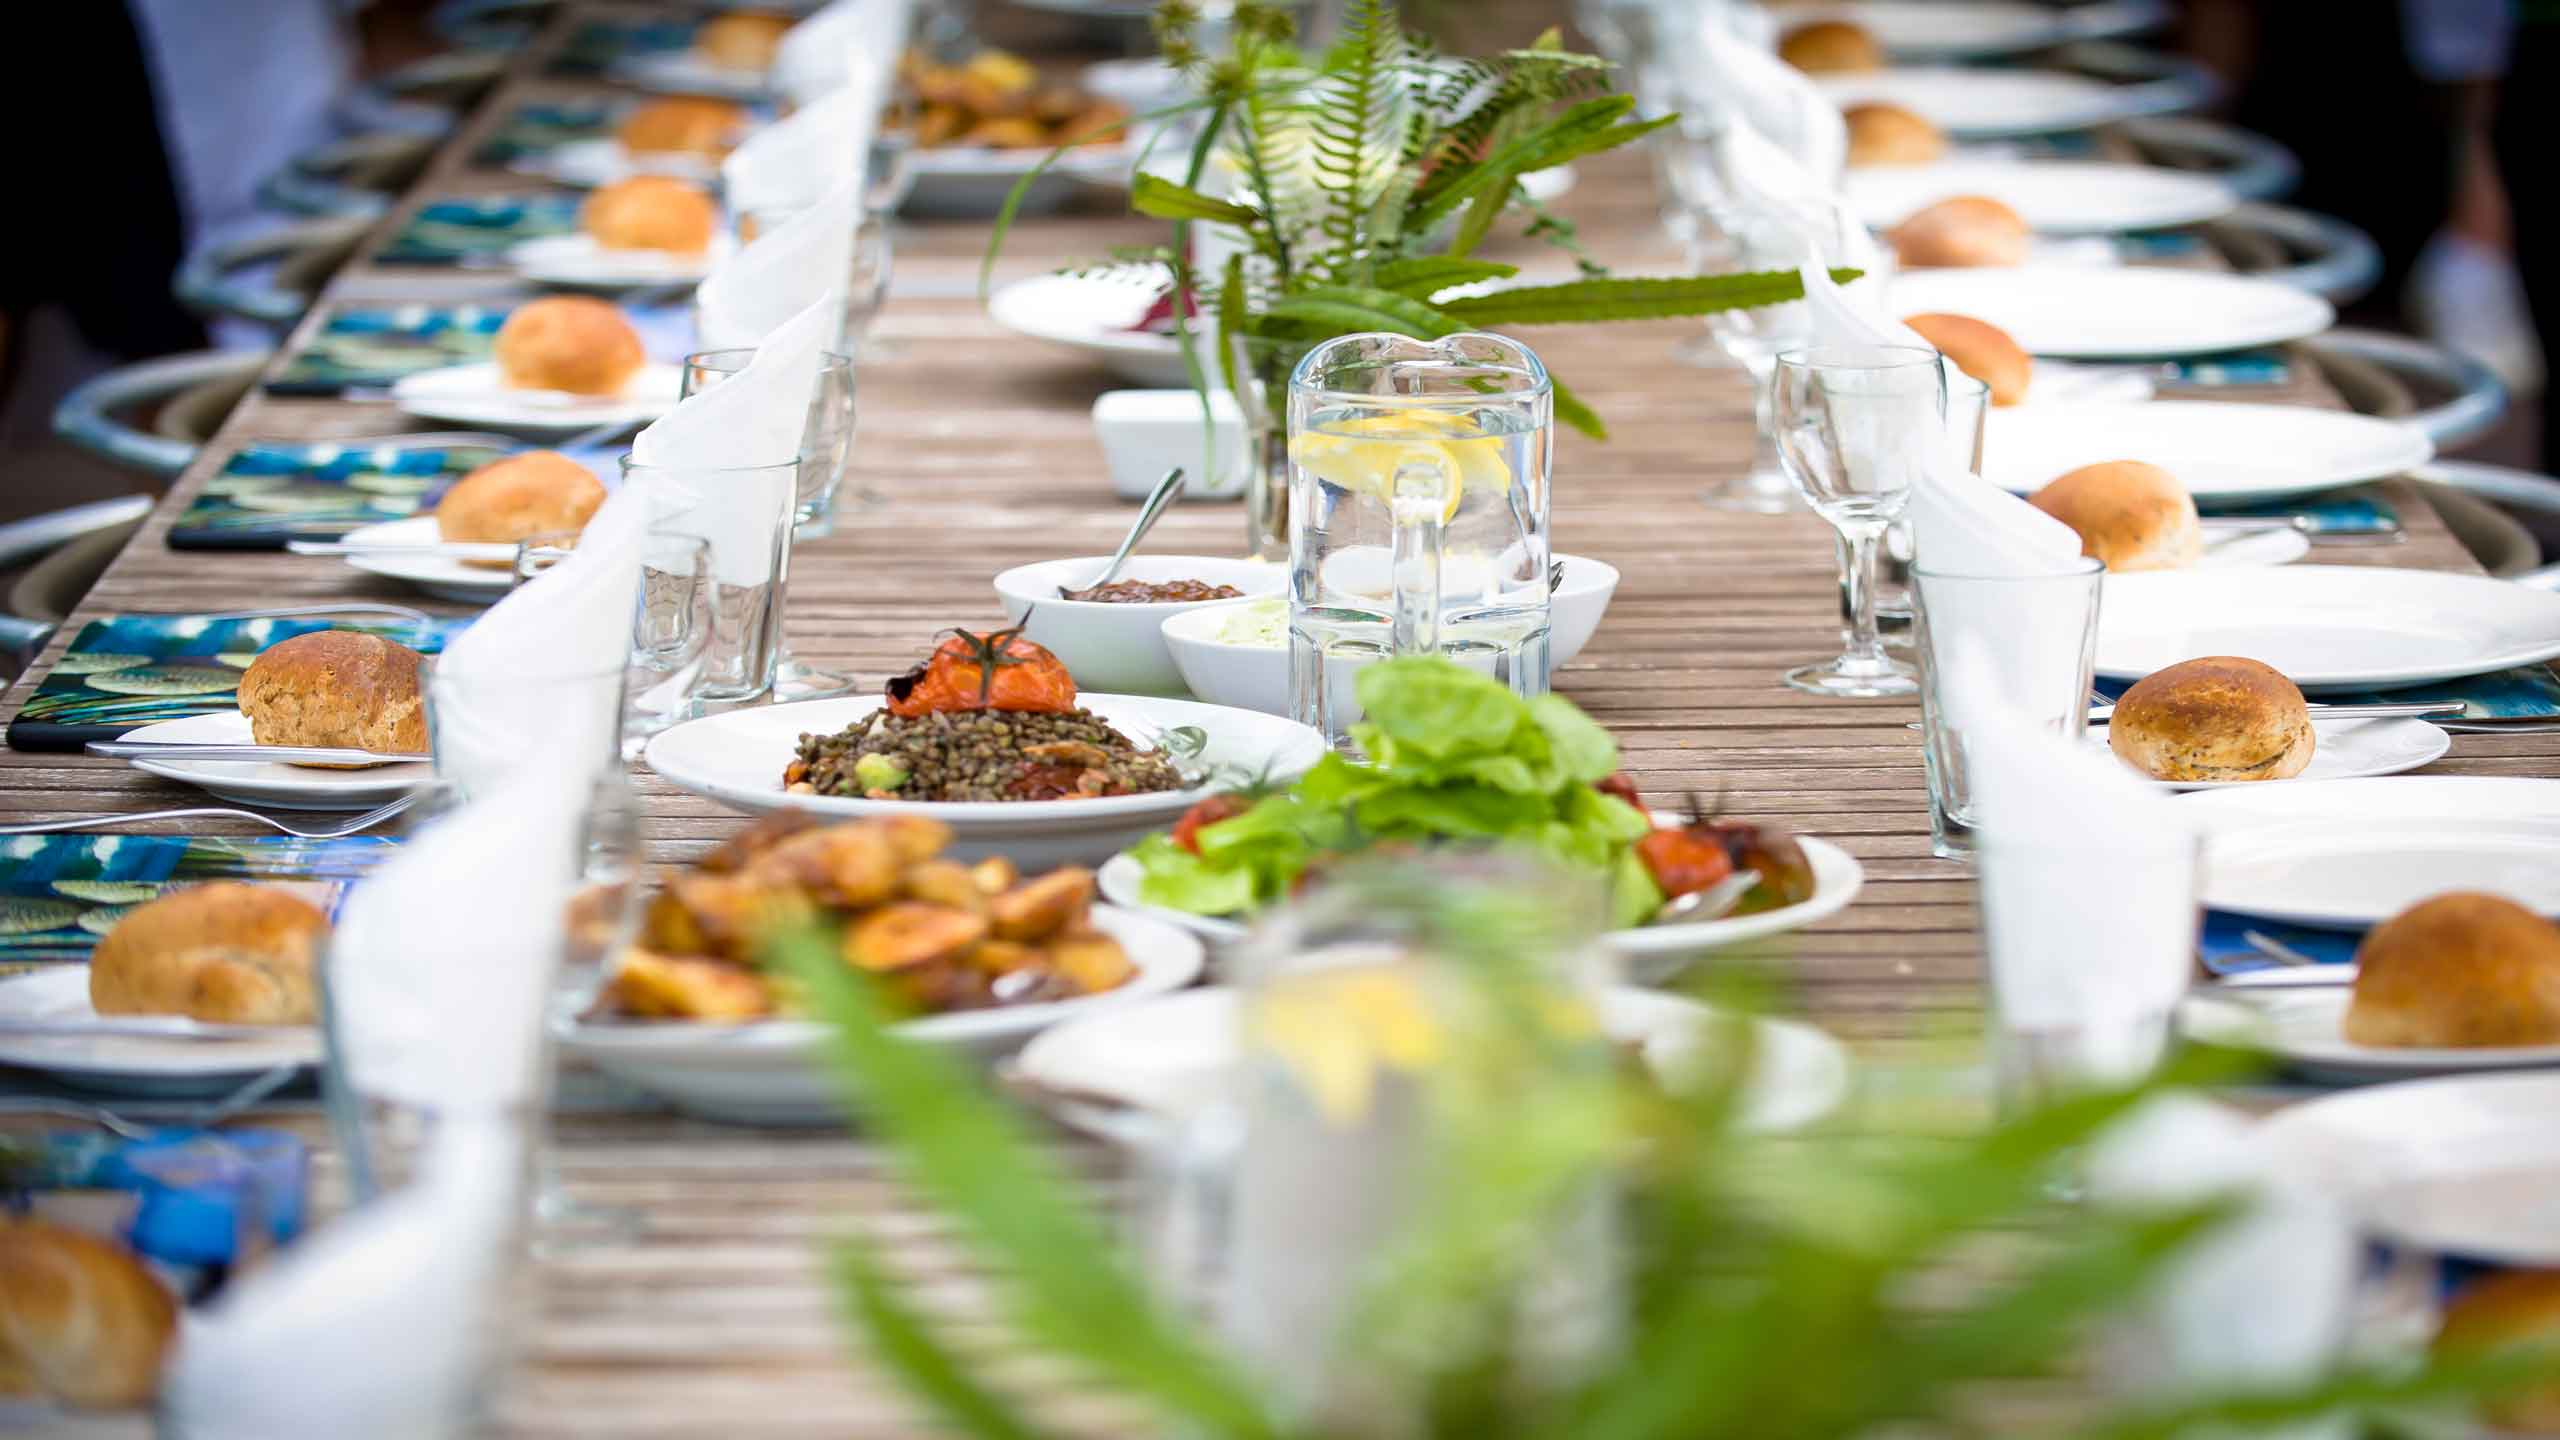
x=1418, y=503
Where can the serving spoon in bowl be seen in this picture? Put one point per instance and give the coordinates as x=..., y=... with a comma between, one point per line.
x=1148, y=514
x=1713, y=903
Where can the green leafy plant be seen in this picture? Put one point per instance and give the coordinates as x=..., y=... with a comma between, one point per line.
x=1796, y=1288
x=1362, y=186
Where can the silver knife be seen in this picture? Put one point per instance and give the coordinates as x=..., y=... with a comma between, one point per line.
x=450, y=550
x=2098, y=713
x=278, y=754
x=138, y=1027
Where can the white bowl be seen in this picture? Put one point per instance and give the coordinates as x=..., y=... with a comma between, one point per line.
x=1251, y=677
x=1120, y=648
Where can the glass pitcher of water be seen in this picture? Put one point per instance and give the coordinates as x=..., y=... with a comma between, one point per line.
x=1417, y=513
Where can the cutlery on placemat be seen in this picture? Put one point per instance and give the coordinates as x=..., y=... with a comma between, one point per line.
x=134, y=1027
x=449, y=550
x=279, y=754
x=335, y=830
x=348, y=607
x=2100, y=713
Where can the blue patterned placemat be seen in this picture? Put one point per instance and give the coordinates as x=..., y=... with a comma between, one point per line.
x=482, y=229
x=2225, y=951
x=268, y=494
x=128, y=671
x=599, y=43
x=367, y=348
x=2339, y=512
x=59, y=894
x=532, y=129
x=2528, y=692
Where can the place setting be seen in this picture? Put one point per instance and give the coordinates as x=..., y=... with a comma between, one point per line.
x=1419, y=861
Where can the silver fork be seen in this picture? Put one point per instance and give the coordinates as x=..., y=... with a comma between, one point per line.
x=353, y=824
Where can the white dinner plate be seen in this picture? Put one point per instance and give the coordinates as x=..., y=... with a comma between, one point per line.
x=2353, y=853
x=2463, y=1165
x=475, y=395
x=973, y=180
x=1977, y=29
x=770, y=1072
x=277, y=787
x=442, y=576
x=738, y=758
x=2301, y=1026
x=578, y=262
x=1986, y=104
x=1653, y=953
x=593, y=163
x=2125, y=311
x=140, y=1066
x=2054, y=197
x=2248, y=549
x=2346, y=750
x=2223, y=453
x=2329, y=628
x=1092, y=314
x=687, y=72
x=1166, y=1057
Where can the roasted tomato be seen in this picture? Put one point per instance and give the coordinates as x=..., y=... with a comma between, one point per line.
x=1186, y=831
x=999, y=670
x=1683, y=861
x=1617, y=783
x=1786, y=876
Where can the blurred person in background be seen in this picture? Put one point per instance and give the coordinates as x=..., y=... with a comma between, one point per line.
x=2520, y=136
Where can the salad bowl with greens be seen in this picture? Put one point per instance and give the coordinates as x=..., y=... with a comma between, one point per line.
x=1455, y=758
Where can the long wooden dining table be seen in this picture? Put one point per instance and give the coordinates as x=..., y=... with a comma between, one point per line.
x=716, y=1316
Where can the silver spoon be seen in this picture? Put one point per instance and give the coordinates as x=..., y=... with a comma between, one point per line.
x=1148, y=513
x=1712, y=903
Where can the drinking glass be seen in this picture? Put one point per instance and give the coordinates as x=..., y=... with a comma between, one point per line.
x=745, y=514
x=1855, y=424
x=484, y=725
x=2030, y=640
x=1968, y=404
x=2072, y=1007
x=826, y=449
x=1418, y=502
x=670, y=628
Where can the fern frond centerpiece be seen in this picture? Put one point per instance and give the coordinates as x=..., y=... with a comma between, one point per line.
x=1352, y=196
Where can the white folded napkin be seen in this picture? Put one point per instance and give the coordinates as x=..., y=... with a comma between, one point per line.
x=2088, y=877
x=1747, y=82
x=385, y=1322
x=442, y=965
x=799, y=160
x=2289, y=1264
x=847, y=40
x=757, y=417
x=781, y=273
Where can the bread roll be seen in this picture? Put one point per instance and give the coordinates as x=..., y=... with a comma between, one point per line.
x=651, y=212
x=2508, y=1307
x=741, y=39
x=568, y=342
x=1962, y=230
x=2218, y=718
x=540, y=492
x=2130, y=515
x=2458, y=970
x=227, y=953
x=1881, y=134
x=1831, y=46
x=338, y=688
x=681, y=125
x=1979, y=349
x=82, y=1322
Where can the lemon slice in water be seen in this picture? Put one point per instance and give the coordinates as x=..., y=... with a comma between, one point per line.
x=1363, y=455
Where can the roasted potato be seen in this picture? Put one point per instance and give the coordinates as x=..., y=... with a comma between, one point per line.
x=1009, y=132
x=734, y=915
x=1091, y=960
x=1002, y=957
x=995, y=875
x=916, y=837
x=762, y=834
x=1037, y=909
x=850, y=866
x=904, y=934
x=674, y=988
x=944, y=882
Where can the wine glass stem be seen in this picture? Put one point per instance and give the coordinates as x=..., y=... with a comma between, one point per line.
x=1861, y=542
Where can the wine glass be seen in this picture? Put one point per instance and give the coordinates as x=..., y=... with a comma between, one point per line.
x=1855, y=425
x=1751, y=338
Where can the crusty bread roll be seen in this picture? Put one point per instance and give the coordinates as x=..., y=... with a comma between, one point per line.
x=1881, y=134
x=1962, y=230
x=336, y=688
x=568, y=342
x=2218, y=718
x=228, y=953
x=1831, y=45
x=2458, y=970
x=1979, y=349
x=651, y=212
x=82, y=1322
x=741, y=39
x=506, y=502
x=2130, y=515
x=2500, y=1309
x=681, y=125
